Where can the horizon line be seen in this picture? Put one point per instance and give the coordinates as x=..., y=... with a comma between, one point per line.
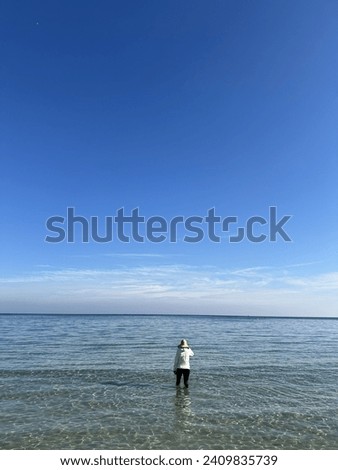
x=173, y=315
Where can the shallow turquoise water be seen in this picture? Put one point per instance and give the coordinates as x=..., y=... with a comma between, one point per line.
x=106, y=382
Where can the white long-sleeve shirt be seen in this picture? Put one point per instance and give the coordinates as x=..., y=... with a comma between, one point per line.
x=182, y=358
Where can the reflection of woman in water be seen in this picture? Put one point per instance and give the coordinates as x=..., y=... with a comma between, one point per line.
x=182, y=363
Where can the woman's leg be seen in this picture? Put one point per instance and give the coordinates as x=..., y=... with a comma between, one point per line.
x=178, y=376
x=186, y=373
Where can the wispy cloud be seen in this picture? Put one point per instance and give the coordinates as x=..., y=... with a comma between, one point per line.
x=125, y=255
x=179, y=286
x=136, y=255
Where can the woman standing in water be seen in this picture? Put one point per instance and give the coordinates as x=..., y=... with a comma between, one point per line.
x=182, y=362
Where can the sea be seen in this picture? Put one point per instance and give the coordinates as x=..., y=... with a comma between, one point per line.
x=107, y=382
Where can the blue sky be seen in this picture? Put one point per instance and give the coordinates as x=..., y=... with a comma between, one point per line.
x=174, y=108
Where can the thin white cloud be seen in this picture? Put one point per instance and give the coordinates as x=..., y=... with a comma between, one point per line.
x=125, y=255
x=135, y=255
x=326, y=281
x=177, y=288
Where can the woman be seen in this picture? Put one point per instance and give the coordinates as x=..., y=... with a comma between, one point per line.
x=182, y=364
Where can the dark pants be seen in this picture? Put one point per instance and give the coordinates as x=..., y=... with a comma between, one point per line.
x=185, y=373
